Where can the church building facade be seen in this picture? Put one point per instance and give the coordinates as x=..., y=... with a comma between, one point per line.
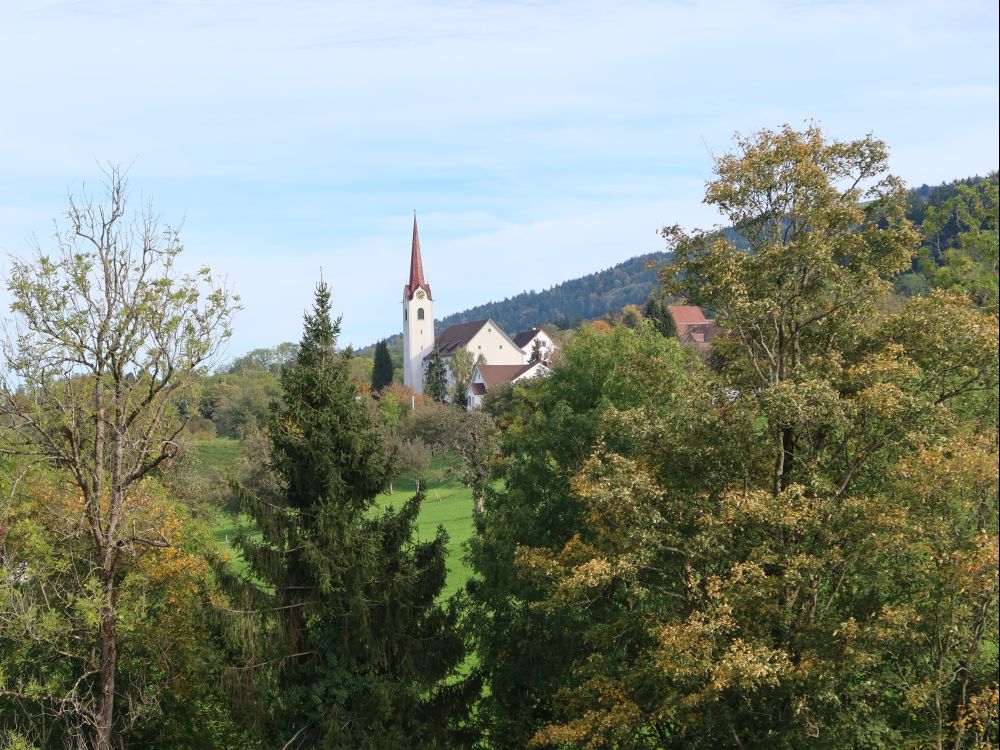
x=484, y=339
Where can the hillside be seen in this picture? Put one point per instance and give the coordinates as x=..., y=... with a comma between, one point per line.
x=591, y=296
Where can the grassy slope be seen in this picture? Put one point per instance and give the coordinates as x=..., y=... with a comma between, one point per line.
x=215, y=457
x=447, y=504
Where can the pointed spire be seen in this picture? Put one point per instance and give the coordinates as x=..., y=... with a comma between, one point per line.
x=416, y=266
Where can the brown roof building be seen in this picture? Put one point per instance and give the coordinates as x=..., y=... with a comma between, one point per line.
x=485, y=377
x=693, y=327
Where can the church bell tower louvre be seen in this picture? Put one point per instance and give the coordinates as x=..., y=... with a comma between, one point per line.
x=418, y=318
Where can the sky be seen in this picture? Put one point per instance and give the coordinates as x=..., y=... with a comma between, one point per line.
x=537, y=140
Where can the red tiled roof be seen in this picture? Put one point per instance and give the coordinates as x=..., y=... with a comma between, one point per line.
x=416, y=267
x=687, y=315
x=496, y=374
x=701, y=336
x=687, y=319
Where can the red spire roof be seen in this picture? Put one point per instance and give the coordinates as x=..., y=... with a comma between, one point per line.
x=416, y=267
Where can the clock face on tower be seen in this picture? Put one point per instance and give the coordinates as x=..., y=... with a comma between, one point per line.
x=420, y=294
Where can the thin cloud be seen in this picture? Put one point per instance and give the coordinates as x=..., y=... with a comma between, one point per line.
x=548, y=136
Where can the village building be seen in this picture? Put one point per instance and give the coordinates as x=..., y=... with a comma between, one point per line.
x=693, y=328
x=485, y=377
x=528, y=340
x=487, y=342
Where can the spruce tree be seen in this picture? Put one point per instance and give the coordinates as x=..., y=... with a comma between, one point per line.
x=436, y=377
x=659, y=314
x=382, y=371
x=536, y=352
x=346, y=646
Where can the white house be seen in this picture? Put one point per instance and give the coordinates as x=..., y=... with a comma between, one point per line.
x=485, y=377
x=484, y=340
x=526, y=341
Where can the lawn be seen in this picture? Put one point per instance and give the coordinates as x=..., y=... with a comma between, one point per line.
x=446, y=503
x=214, y=457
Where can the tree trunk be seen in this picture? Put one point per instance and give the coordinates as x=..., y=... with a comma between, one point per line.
x=788, y=455
x=108, y=646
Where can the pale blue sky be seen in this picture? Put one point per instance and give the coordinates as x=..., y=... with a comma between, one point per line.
x=538, y=141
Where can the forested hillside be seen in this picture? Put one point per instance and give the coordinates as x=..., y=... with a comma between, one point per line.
x=590, y=296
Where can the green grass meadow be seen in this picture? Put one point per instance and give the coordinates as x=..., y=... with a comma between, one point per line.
x=446, y=503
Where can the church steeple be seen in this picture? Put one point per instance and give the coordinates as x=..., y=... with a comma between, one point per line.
x=416, y=267
x=418, y=318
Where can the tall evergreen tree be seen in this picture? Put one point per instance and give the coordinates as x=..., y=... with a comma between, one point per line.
x=536, y=352
x=658, y=313
x=347, y=645
x=382, y=371
x=436, y=377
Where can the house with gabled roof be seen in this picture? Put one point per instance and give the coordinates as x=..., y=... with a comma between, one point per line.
x=693, y=328
x=484, y=340
x=485, y=377
x=533, y=337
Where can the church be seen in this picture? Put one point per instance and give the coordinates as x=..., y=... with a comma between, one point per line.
x=498, y=358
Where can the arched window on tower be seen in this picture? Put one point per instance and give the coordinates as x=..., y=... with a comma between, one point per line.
x=420, y=313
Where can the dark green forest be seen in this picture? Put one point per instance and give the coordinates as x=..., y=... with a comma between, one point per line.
x=568, y=303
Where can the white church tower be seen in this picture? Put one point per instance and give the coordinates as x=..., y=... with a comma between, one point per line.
x=418, y=319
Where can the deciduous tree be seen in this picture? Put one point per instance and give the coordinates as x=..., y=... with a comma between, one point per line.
x=106, y=332
x=774, y=592
x=527, y=652
x=460, y=363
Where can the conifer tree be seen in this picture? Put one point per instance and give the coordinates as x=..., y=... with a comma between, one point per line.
x=382, y=371
x=536, y=352
x=436, y=377
x=660, y=316
x=347, y=646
